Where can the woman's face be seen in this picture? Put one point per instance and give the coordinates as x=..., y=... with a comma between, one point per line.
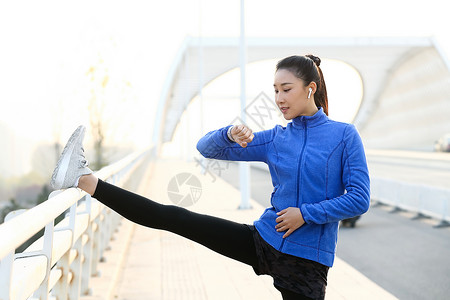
x=291, y=96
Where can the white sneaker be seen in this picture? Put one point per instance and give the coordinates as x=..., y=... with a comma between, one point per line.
x=72, y=164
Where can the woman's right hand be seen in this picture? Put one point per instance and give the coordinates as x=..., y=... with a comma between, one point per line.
x=242, y=135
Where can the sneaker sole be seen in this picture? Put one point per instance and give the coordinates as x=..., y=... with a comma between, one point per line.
x=63, y=162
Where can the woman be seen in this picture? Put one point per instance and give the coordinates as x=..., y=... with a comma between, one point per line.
x=318, y=170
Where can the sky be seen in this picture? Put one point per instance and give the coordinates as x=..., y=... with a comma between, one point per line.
x=55, y=56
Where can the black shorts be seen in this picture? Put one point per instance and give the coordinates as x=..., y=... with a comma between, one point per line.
x=302, y=276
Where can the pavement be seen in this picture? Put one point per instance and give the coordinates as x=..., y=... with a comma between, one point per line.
x=143, y=263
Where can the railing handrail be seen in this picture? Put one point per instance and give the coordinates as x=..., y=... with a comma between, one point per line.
x=423, y=199
x=422, y=155
x=64, y=258
x=19, y=229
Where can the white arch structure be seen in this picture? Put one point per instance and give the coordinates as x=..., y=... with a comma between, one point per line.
x=377, y=59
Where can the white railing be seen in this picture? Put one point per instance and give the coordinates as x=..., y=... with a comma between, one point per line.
x=60, y=263
x=425, y=200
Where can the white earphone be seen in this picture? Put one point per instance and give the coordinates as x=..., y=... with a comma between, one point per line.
x=309, y=94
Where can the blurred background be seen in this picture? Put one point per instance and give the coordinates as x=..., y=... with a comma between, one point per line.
x=106, y=64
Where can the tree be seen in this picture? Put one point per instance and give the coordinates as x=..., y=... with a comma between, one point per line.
x=109, y=97
x=11, y=206
x=99, y=81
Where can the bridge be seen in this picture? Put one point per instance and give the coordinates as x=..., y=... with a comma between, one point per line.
x=398, y=76
x=93, y=253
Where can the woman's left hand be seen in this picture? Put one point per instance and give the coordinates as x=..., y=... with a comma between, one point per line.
x=289, y=220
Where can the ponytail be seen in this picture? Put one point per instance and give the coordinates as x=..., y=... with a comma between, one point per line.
x=321, y=96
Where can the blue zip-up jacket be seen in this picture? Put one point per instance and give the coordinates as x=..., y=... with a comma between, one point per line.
x=316, y=164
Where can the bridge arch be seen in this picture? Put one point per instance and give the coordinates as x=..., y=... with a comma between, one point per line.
x=376, y=60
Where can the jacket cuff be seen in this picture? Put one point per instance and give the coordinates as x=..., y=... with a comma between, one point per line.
x=314, y=213
x=230, y=137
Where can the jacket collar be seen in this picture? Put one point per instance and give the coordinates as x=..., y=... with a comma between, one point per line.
x=310, y=121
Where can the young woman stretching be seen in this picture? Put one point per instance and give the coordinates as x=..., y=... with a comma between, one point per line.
x=319, y=174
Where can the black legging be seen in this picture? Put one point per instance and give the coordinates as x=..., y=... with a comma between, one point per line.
x=229, y=238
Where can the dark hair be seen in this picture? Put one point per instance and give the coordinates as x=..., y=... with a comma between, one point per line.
x=307, y=68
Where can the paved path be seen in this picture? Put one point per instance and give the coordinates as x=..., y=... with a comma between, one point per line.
x=148, y=264
x=378, y=244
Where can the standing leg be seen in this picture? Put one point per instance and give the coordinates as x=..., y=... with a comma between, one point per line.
x=290, y=295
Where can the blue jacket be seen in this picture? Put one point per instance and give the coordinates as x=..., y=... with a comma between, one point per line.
x=316, y=164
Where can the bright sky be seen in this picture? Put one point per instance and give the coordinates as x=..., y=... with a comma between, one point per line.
x=48, y=47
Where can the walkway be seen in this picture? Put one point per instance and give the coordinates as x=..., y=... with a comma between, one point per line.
x=144, y=263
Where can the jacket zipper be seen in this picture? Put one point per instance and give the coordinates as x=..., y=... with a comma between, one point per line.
x=299, y=164
x=298, y=175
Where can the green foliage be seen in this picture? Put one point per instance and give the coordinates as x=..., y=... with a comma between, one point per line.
x=43, y=195
x=11, y=206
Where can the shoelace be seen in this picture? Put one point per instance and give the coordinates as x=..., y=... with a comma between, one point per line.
x=83, y=161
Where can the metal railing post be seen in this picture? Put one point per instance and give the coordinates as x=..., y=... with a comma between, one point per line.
x=87, y=251
x=61, y=288
x=5, y=275
x=42, y=292
x=75, y=268
x=6, y=265
x=96, y=237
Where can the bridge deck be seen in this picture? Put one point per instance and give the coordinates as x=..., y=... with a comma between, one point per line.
x=149, y=264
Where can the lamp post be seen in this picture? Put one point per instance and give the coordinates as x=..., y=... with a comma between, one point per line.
x=244, y=168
